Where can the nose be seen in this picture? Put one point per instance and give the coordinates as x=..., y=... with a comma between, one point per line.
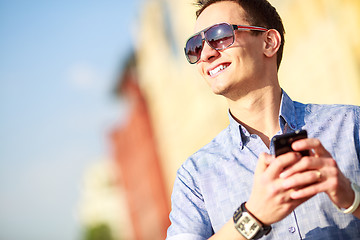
x=208, y=53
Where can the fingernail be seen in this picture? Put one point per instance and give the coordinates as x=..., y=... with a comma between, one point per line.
x=294, y=195
x=282, y=175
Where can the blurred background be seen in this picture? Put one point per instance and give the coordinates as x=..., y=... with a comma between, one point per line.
x=99, y=108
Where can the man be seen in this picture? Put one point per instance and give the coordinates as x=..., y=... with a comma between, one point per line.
x=234, y=188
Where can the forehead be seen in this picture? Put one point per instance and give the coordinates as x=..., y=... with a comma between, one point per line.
x=224, y=11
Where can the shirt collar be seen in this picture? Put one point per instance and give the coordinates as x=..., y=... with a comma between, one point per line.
x=237, y=131
x=287, y=117
x=287, y=121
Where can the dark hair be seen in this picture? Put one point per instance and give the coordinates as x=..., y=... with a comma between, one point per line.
x=258, y=13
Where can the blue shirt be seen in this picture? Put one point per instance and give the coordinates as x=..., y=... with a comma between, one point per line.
x=214, y=181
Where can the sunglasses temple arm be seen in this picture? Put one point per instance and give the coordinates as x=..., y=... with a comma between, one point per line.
x=240, y=27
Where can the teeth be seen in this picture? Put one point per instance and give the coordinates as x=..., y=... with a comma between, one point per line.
x=217, y=69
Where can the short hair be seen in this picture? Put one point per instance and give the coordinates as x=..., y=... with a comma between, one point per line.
x=258, y=13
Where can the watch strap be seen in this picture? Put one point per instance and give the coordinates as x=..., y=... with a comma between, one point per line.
x=264, y=229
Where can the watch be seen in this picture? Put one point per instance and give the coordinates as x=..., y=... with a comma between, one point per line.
x=248, y=225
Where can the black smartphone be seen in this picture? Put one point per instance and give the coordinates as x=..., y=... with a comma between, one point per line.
x=282, y=143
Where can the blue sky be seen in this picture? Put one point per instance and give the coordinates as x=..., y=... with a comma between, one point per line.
x=58, y=63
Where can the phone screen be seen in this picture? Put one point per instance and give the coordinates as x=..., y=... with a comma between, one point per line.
x=282, y=143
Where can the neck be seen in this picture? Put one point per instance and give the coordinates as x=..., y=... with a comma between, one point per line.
x=258, y=112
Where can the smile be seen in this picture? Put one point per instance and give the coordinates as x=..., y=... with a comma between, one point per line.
x=218, y=69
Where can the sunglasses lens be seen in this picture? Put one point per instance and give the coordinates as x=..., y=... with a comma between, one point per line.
x=193, y=48
x=220, y=36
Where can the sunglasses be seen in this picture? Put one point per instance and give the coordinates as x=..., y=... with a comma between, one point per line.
x=218, y=36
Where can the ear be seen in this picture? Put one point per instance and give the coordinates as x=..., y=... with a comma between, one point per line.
x=272, y=42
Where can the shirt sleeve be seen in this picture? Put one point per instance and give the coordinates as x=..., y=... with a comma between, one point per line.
x=189, y=218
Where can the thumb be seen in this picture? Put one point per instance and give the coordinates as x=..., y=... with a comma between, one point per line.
x=263, y=162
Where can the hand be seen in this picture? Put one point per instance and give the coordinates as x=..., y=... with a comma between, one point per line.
x=317, y=173
x=270, y=201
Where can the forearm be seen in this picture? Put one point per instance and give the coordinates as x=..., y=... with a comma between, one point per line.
x=228, y=232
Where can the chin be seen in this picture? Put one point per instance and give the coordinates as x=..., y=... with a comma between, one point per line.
x=220, y=90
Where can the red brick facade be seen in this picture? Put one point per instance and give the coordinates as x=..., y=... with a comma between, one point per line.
x=135, y=152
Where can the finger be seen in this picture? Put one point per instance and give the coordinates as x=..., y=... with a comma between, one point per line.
x=282, y=162
x=302, y=179
x=308, y=191
x=263, y=162
x=311, y=144
x=268, y=158
x=305, y=163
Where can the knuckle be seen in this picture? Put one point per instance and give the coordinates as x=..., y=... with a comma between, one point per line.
x=283, y=199
x=287, y=207
x=316, y=142
x=306, y=161
x=331, y=162
x=333, y=183
x=279, y=164
x=274, y=190
x=333, y=170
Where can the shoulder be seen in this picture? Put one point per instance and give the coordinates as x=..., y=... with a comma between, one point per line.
x=199, y=164
x=320, y=111
x=209, y=154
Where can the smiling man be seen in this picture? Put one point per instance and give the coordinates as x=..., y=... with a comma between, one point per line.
x=234, y=188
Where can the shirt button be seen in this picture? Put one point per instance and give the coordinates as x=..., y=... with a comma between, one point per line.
x=292, y=229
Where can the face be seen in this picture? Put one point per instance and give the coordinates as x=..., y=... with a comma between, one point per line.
x=235, y=70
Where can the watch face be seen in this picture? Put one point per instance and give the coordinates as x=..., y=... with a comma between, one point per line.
x=248, y=226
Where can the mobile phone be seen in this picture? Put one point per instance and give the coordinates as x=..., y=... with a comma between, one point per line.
x=282, y=143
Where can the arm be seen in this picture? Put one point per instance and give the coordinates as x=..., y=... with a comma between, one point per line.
x=228, y=232
x=321, y=173
x=269, y=201
x=189, y=218
x=283, y=190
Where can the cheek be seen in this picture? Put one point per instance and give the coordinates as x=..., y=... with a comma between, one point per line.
x=247, y=47
x=200, y=69
x=246, y=58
